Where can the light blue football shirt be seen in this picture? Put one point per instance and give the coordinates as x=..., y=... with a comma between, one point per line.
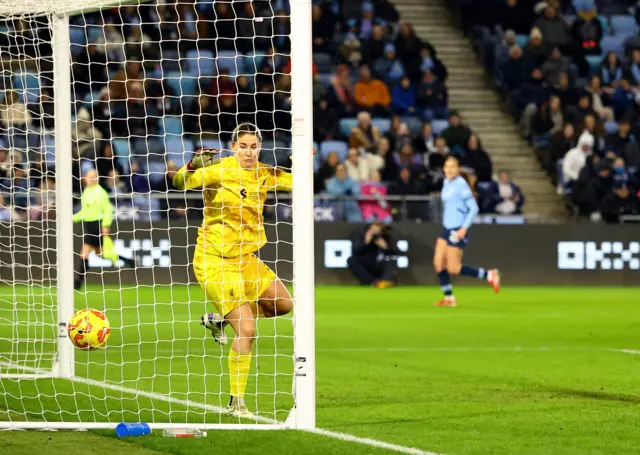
x=460, y=207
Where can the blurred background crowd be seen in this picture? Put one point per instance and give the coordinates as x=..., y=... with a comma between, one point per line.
x=152, y=83
x=569, y=72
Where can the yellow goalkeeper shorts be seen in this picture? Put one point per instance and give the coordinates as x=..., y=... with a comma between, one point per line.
x=231, y=282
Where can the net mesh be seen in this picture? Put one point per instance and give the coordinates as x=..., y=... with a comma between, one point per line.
x=151, y=83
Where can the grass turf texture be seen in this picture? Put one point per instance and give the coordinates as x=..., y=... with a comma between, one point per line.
x=531, y=371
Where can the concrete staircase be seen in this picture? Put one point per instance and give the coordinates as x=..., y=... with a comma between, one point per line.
x=480, y=106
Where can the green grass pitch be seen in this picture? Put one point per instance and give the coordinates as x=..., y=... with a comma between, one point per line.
x=530, y=371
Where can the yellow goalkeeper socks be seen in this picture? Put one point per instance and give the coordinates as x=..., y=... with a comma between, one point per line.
x=109, y=249
x=239, y=365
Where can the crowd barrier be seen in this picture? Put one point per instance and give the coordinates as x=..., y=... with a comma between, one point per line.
x=526, y=254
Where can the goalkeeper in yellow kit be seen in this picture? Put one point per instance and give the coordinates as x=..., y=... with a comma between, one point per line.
x=237, y=282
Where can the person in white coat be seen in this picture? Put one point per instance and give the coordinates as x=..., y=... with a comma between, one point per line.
x=576, y=158
x=357, y=165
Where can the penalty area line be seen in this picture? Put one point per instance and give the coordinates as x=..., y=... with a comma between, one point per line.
x=219, y=410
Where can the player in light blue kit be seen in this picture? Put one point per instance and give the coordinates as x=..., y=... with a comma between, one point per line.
x=460, y=207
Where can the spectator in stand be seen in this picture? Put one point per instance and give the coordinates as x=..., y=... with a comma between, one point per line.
x=366, y=20
x=534, y=89
x=388, y=67
x=89, y=70
x=85, y=136
x=596, y=129
x=477, y=159
x=364, y=134
x=403, y=98
x=372, y=94
x=502, y=51
x=517, y=15
x=434, y=159
x=342, y=93
x=201, y=119
x=432, y=96
x=555, y=30
x=425, y=141
x=587, y=31
x=403, y=136
x=593, y=184
x=542, y=123
x=504, y=196
x=618, y=141
x=326, y=122
x=568, y=94
x=326, y=171
x=537, y=49
x=43, y=111
x=515, y=68
x=7, y=212
x=342, y=185
x=406, y=158
x=114, y=185
x=409, y=46
x=576, y=159
x=577, y=113
x=611, y=71
x=377, y=209
x=389, y=170
x=622, y=98
x=13, y=112
x=620, y=202
x=600, y=98
x=457, y=134
x=429, y=62
x=561, y=142
x=319, y=90
x=555, y=66
x=320, y=31
x=106, y=161
x=374, y=47
x=407, y=185
x=633, y=69
x=357, y=166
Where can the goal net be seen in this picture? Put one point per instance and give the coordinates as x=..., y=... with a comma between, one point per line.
x=129, y=91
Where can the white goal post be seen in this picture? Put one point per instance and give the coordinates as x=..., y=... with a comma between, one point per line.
x=48, y=373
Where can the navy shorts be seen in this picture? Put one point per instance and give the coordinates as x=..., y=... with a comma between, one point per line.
x=449, y=236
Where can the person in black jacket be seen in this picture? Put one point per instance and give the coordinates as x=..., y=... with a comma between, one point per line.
x=619, y=202
x=372, y=260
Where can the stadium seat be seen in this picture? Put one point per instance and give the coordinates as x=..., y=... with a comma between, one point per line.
x=383, y=124
x=178, y=150
x=522, y=41
x=594, y=62
x=78, y=39
x=27, y=86
x=325, y=78
x=201, y=63
x=414, y=124
x=227, y=60
x=253, y=60
x=334, y=146
x=157, y=169
x=612, y=43
x=438, y=126
x=121, y=148
x=172, y=125
x=183, y=85
x=611, y=127
x=623, y=25
x=346, y=125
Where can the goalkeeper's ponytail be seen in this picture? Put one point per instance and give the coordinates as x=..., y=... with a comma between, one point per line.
x=245, y=128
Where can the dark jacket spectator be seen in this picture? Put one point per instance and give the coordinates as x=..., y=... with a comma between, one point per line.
x=389, y=68
x=555, y=66
x=371, y=261
x=633, y=69
x=617, y=141
x=502, y=196
x=587, y=32
x=325, y=122
x=611, y=71
x=477, y=159
x=321, y=29
x=373, y=48
x=542, y=123
x=569, y=95
x=619, y=202
x=425, y=141
x=457, y=134
x=561, y=143
x=407, y=185
x=403, y=98
x=432, y=95
x=537, y=50
x=408, y=45
x=515, y=68
x=576, y=113
x=326, y=171
x=554, y=29
x=622, y=99
x=517, y=16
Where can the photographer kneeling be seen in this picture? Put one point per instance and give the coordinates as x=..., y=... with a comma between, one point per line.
x=373, y=259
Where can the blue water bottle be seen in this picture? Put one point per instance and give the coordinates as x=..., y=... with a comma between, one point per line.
x=132, y=429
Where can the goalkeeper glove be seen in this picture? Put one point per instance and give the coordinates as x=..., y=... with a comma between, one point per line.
x=204, y=158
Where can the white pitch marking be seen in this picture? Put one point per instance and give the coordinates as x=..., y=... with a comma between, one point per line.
x=217, y=409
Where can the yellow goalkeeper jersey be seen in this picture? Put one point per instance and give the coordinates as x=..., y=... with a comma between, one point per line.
x=234, y=198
